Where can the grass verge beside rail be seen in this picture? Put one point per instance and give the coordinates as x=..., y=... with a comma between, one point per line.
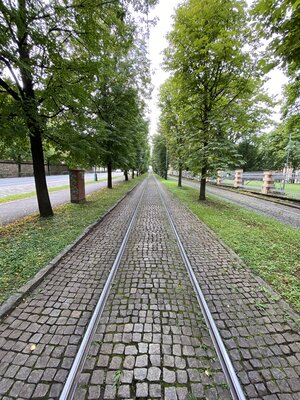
x=29, y=244
x=269, y=248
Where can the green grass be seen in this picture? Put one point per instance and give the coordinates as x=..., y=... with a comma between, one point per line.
x=269, y=248
x=29, y=244
x=20, y=196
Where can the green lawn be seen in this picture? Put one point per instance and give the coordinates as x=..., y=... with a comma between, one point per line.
x=269, y=248
x=29, y=244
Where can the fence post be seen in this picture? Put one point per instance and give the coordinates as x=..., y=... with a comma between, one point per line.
x=268, y=182
x=219, y=177
x=238, y=181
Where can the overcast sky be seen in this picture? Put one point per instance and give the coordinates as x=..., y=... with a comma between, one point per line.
x=157, y=42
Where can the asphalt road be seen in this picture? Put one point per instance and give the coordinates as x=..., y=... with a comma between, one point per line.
x=282, y=213
x=10, y=186
x=14, y=210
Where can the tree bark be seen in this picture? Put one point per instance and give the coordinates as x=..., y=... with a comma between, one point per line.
x=203, y=184
x=132, y=174
x=31, y=112
x=126, y=175
x=40, y=176
x=19, y=165
x=180, y=176
x=109, y=175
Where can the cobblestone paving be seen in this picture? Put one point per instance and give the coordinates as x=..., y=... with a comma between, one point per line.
x=152, y=341
x=39, y=339
x=260, y=333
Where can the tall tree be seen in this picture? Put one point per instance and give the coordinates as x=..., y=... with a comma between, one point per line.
x=159, y=156
x=49, y=53
x=173, y=124
x=217, y=75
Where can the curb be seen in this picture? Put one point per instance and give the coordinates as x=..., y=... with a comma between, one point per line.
x=24, y=290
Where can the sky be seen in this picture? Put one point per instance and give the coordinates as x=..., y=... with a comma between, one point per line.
x=157, y=43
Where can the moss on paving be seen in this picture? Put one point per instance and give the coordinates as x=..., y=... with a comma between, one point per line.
x=30, y=243
x=268, y=247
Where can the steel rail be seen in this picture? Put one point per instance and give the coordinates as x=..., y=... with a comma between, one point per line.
x=227, y=367
x=72, y=380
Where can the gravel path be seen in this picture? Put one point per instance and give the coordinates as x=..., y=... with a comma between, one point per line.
x=282, y=213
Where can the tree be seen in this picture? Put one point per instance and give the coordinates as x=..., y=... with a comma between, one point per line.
x=50, y=53
x=217, y=77
x=159, y=156
x=172, y=124
x=279, y=22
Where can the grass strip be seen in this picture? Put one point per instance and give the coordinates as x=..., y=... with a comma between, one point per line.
x=268, y=247
x=19, y=196
x=29, y=244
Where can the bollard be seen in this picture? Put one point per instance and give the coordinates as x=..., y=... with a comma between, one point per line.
x=268, y=182
x=77, y=188
x=238, y=181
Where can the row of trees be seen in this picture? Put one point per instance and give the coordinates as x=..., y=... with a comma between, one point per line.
x=73, y=78
x=213, y=105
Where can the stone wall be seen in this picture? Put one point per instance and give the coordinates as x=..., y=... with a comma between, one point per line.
x=10, y=169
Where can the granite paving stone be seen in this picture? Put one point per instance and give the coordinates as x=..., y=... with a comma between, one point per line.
x=152, y=297
x=152, y=341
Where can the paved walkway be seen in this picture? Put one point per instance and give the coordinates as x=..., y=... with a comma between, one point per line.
x=152, y=341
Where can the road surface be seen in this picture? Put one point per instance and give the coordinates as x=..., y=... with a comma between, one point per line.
x=282, y=213
x=14, y=210
x=11, y=186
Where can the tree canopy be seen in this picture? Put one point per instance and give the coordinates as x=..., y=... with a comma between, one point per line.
x=217, y=80
x=55, y=56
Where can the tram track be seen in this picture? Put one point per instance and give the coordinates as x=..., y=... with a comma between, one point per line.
x=70, y=386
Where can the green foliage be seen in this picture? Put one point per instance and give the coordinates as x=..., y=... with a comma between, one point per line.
x=214, y=96
x=56, y=57
x=279, y=21
x=159, y=156
x=269, y=248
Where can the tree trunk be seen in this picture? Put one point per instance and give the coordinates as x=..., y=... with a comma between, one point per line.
x=203, y=184
x=19, y=165
x=109, y=176
x=180, y=176
x=31, y=112
x=126, y=175
x=132, y=174
x=40, y=176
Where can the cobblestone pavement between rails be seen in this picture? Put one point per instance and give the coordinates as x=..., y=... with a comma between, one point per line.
x=152, y=342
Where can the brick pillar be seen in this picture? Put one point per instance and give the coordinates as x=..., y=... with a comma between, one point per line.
x=219, y=177
x=268, y=182
x=77, y=188
x=238, y=181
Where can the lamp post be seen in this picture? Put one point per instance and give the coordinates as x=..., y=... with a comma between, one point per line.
x=287, y=159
